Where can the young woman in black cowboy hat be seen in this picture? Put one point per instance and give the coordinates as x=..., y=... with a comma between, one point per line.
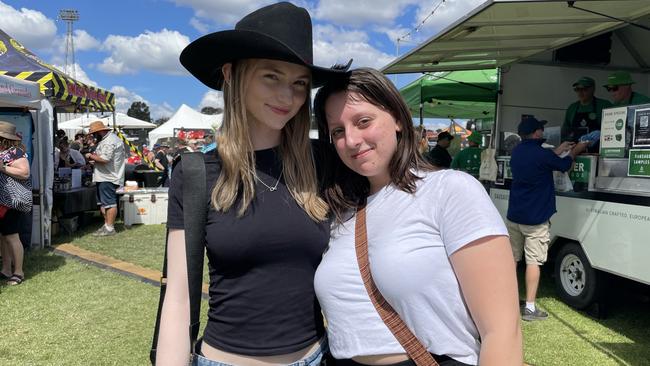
x=267, y=227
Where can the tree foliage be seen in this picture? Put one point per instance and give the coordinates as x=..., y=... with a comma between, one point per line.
x=211, y=110
x=161, y=120
x=139, y=110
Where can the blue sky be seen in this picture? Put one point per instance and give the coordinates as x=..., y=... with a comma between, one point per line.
x=132, y=47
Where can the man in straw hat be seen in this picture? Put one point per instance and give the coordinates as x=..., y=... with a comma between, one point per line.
x=108, y=174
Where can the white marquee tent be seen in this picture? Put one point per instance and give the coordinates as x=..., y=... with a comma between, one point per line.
x=122, y=121
x=188, y=119
x=26, y=94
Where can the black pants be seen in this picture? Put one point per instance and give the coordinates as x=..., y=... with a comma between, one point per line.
x=442, y=360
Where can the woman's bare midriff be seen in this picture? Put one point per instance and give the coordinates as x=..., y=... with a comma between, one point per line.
x=218, y=355
x=377, y=360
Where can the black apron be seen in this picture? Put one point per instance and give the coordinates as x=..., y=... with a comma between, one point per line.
x=584, y=123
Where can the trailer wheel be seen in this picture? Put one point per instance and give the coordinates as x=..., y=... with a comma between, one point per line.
x=576, y=281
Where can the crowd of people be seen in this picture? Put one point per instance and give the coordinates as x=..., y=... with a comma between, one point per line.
x=104, y=153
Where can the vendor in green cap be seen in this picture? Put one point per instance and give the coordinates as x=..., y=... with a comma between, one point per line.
x=584, y=115
x=619, y=86
x=469, y=159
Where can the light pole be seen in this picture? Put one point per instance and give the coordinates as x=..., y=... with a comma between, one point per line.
x=69, y=16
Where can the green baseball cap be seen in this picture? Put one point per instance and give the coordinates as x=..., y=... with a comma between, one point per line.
x=475, y=137
x=619, y=78
x=585, y=82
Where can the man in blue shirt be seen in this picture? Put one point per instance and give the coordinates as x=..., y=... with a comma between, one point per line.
x=532, y=202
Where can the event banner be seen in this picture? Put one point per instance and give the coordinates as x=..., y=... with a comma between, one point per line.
x=639, y=163
x=612, y=133
x=641, y=128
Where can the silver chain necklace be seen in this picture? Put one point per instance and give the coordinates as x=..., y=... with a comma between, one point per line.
x=271, y=188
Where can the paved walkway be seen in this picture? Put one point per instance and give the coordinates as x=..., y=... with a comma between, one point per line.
x=116, y=265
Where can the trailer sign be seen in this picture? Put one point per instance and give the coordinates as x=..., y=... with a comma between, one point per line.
x=639, y=164
x=581, y=170
x=612, y=133
x=641, y=128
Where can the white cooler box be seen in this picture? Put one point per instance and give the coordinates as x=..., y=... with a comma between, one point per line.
x=144, y=206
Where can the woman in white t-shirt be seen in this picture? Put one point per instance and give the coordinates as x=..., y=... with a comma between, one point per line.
x=438, y=249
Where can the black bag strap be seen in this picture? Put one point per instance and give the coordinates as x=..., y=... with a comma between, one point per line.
x=194, y=193
x=194, y=221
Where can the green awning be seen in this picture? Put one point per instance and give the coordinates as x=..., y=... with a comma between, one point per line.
x=454, y=109
x=458, y=94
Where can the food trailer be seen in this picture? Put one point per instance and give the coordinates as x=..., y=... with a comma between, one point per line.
x=540, y=48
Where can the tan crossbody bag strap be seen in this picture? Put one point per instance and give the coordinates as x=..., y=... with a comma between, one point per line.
x=406, y=338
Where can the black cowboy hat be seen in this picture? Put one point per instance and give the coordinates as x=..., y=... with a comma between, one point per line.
x=280, y=31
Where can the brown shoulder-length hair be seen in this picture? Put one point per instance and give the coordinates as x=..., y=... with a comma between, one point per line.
x=344, y=189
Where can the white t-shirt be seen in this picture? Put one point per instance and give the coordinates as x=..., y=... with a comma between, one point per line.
x=410, y=237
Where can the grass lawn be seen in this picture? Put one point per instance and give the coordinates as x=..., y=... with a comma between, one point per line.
x=570, y=337
x=143, y=245
x=70, y=313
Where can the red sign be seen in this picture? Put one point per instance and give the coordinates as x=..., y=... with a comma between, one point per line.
x=83, y=91
x=195, y=134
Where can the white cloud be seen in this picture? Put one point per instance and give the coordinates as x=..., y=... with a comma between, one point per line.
x=124, y=98
x=153, y=51
x=331, y=33
x=161, y=110
x=361, y=12
x=80, y=74
x=332, y=45
x=200, y=26
x=84, y=41
x=213, y=98
x=224, y=12
x=29, y=27
x=393, y=33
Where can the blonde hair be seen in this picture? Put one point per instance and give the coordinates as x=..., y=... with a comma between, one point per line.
x=237, y=177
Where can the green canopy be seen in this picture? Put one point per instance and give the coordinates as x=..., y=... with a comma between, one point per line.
x=456, y=94
x=454, y=109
